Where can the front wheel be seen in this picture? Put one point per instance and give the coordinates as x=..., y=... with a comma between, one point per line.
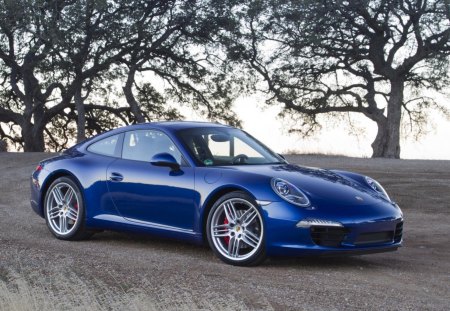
x=235, y=230
x=65, y=210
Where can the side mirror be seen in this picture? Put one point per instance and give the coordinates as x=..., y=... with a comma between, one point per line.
x=165, y=159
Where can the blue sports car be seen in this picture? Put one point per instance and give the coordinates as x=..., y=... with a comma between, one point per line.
x=206, y=182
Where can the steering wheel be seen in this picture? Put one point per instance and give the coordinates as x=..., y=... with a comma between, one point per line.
x=240, y=158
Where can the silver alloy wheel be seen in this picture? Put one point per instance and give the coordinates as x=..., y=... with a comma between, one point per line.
x=237, y=229
x=62, y=208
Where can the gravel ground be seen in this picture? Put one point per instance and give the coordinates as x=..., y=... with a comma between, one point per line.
x=116, y=271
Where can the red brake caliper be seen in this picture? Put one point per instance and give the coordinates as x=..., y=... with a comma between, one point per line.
x=226, y=239
x=75, y=205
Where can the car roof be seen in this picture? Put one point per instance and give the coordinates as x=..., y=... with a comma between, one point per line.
x=168, y=126
x=179, y=125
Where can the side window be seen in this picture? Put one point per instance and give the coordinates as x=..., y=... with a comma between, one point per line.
x=241, y=147
x=142, y=145
x=219, y=148
x=106, y=146
x=230, y=148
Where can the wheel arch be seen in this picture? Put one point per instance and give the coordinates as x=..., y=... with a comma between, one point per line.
x=212, y=198
x=51, y=178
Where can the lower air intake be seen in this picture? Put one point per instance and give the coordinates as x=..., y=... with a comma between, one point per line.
x=375, y=238
x=328, y=236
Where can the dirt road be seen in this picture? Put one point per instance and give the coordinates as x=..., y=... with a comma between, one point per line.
x=119, y=271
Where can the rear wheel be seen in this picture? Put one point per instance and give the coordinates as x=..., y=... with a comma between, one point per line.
x=235, y=230
x=65, y=210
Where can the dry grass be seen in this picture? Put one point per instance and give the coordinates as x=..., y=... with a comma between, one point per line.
x=296, y=152
x=62, y=289
x=19, y=292
x=68, y=292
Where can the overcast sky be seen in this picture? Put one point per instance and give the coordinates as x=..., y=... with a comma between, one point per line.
x=335, y=138
x=261, y=122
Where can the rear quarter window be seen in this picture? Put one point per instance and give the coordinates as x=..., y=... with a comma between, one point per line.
x=106, y=146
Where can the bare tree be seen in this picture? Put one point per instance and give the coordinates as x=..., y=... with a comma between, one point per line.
x=180, y=50
x=60, y=61
x=36, y=61
x=361, y=56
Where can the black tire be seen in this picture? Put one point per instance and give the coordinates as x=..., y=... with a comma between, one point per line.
x=241, y=252
x=77, y=229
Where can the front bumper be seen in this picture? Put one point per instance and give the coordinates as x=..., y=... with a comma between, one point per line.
x=359, y=233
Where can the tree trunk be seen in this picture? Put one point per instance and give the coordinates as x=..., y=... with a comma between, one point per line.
x=394, y=119
x=380, y=142
x=128, y=92
x=81, y=116
x=3, y=146
x=387, y=141
x=33, y=138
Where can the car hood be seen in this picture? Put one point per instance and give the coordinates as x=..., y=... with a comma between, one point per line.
x=321, y=185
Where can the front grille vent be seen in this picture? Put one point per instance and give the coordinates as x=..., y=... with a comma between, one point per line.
x=398, y=232
x=328, y=236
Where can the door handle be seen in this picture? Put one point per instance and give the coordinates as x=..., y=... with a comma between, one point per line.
x=116, y=176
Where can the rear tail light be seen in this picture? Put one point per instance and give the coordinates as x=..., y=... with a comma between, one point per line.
x=35, y=174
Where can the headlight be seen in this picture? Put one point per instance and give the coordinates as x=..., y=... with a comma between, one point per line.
x=289, y=192
x=375, y=185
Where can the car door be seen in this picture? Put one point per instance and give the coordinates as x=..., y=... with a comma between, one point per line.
x=152, y=194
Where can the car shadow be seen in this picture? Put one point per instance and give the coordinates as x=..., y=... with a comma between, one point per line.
x=130, y=239
x=203, y=252
x=357, y=262
x=315, y=261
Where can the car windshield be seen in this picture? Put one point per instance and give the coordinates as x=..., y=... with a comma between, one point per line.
x=218, y=146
